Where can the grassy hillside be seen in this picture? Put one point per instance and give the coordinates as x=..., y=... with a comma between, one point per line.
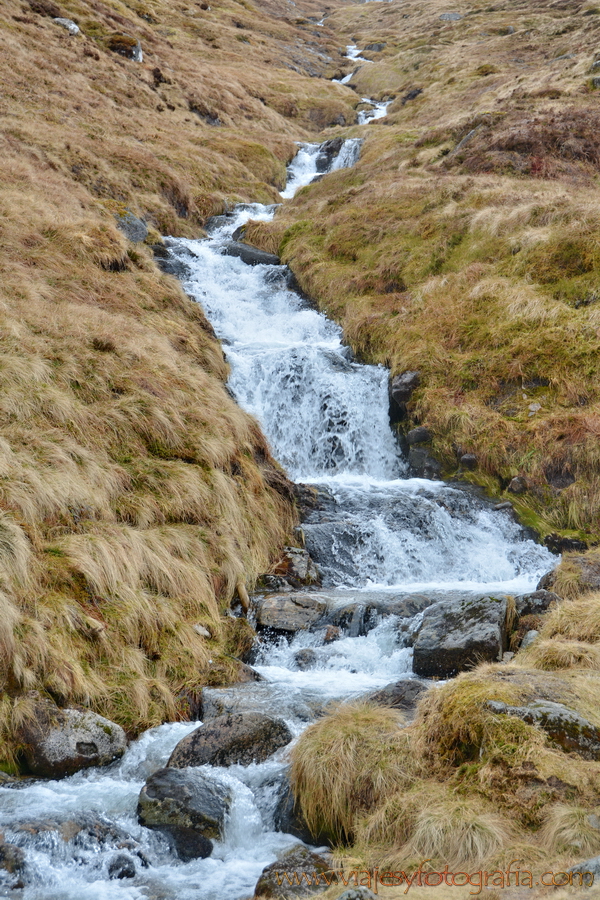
x=135, y=496
x=464, y=244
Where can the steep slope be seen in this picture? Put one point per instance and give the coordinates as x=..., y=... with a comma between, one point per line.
x=136, y=496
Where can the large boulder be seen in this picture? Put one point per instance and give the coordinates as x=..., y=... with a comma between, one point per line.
x=294, y=875
x=327, y=153
x=58, y=742
x=290, y=612
x=252, y=256
x=565, y=727
x=187, y=806
x=460, y=633
x=241, y=738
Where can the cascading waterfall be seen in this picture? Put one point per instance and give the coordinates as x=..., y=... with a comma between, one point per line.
x=326, y=418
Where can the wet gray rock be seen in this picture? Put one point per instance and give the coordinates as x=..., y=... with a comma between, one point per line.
x=134, y=229
x=297, y=567
x=402, y=386
x=290, y=612
x=305, y=659
x=255, y=698
x=468, y=461
x=565, y=727
x=241, y=738
x=589, y=870
x=68, y=24
x=299, y=860
x=174, y=799
x=518, y=485
x=356, y=619
x=58, y=742
x=419, y=435
x=423, y=464
x=122, y=866
x=287, y=817
x=536, y=603
x=458, y=634
x=327, y=153
x=12, y=858
x=186, y=843
x=528, y=638
x=252, y=256
x=399, y=694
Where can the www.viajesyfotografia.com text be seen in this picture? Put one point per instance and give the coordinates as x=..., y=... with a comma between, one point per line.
x=374, y=879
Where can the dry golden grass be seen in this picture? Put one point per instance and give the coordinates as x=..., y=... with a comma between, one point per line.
x=135, y=497
x=362, y=759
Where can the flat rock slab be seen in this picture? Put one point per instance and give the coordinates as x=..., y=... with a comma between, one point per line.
x=180, y=801
x=458, y=634
x=252, y=256
x=565, y=727
x=290, y=611
x=240, y=738
x=262, y=697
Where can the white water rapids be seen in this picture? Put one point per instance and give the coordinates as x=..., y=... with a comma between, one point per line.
x=326, y=417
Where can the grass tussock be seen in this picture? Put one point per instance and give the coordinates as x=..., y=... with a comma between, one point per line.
x=362, y=758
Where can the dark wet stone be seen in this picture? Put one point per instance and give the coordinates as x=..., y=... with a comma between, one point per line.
x=187, y=843
x=402, y=386
x=241, y=738
x=184, y=798
x=122, y=866
x=468, y=461
x=252, y=256
x=535, y=603
x=419, y=435
x=398, y=695
x=134, y=229
x=305, y=659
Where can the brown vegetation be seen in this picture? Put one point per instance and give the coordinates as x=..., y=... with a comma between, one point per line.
x=135, y=497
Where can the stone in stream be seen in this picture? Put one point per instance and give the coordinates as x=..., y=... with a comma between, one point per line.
x=252, y=256
x=188, y=806
x=122, y=866
x=419, y=435
x=458, y=634
x=585, y=567
x=565, y=727
x=327, y=153
x=12, y=858
x=58, y=742
x=286, y=815
x=300, y=861
x=305, y=659
x=241, y=738
x=402, y=386
x=290, y=612
x=131, y=226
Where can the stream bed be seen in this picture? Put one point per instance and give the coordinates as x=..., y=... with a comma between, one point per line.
x=377, y=532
